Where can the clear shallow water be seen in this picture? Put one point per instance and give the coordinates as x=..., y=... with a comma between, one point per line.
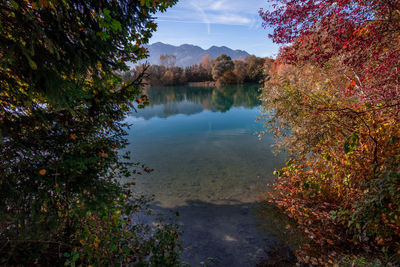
x=210, y=166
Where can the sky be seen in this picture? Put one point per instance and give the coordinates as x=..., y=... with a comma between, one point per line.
x=232, y=23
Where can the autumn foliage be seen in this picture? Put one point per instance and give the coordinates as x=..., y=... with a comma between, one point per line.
x=336, y=101
x=221, y=71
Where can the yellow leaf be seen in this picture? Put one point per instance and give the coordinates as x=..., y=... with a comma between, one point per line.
x=45, y=3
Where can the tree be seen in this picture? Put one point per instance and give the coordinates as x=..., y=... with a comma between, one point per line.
x=168, y=61
x=61, y=106
x=335, y=100
x=365, y=33
x=228, y=77
x=240, y=70
x=268, y=64
x=220, y=65
x=255, y=69
x=168, y=78
x=206, y=62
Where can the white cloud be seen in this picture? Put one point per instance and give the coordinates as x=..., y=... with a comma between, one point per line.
x=227, y=12
x=203, y=16
x=219, y=6
x=212, y=18
x=230, y=19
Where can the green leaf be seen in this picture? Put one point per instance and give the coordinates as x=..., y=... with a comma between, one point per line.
x=115, y=25
x=75, y=257
x=351, y=142
x=32, y=64
x=126, y=250
x=306, y=186
x=106, y=13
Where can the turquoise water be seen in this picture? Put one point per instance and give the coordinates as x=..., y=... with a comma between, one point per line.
x=209, y=165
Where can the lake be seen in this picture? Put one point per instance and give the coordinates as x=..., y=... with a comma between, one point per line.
x=211, y=167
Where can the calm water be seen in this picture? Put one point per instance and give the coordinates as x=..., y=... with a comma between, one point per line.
x=210, y=166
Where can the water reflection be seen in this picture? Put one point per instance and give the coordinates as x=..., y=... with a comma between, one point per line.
x=189, y=100
x=210, y=166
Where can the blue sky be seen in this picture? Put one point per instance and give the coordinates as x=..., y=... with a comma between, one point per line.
x=232, y=23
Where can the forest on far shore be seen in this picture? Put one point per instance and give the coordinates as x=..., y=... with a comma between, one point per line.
x=221, y=70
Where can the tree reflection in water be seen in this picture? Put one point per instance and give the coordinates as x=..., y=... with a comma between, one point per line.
x=190, y=99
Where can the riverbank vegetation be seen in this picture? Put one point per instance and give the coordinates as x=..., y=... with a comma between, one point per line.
x=64, y=196
x=221, y=70
x=334, y=90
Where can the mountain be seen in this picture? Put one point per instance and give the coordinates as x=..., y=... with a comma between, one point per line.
x=187, y=54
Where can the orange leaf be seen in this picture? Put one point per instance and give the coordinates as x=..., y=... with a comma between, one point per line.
x=103, y=155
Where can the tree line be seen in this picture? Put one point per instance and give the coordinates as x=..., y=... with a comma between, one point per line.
x=221, y=70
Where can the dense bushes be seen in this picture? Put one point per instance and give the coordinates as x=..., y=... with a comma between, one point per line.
x=336, y=107
x=333, y=185
x=61, y=105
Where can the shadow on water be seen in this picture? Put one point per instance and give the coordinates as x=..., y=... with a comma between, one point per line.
x=226, y=233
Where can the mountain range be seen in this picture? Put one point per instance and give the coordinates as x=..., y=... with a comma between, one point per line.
x=187, y=54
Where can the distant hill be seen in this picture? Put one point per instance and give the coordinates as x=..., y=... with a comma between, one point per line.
x=187, y=55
